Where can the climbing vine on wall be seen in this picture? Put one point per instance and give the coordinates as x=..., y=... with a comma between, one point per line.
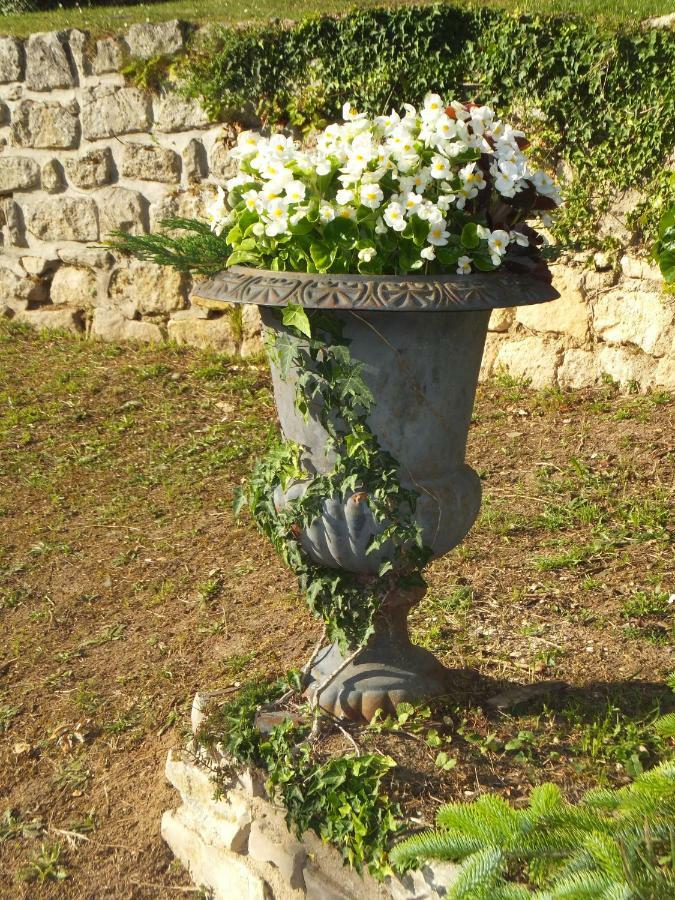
x=331, y=388
x=599, y=102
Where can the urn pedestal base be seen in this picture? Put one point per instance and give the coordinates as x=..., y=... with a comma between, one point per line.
x=389, y=670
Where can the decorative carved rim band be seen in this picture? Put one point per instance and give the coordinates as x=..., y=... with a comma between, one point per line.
x=424, y=293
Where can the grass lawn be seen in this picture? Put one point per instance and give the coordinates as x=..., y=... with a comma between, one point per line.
x=112, y=19
x=126, y=585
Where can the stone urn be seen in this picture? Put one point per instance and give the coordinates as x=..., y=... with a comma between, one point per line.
x=420, y=340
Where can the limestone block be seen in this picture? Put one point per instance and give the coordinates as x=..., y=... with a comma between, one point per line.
x=64, y=219
x=493, y=342
x=18, y=173
x=251, y=331
x=627, y=366
x=47, y=63
x=151, y=163
x=38, y=265
x=569, y=314
x=4, y=114
x=145, y=40
x=225, y=873
x=207, y=334
x=189, y=204
x=613, y=223
x=195, y=165
x=667, y=21
x=663, y=374
x=176, y=113
x=46, y=125
x=641, y=318
x=11, y=59
x=156, y=289
x=632, y=267
x=427, y=883
x=91, y=169
x=12, y=223
x=592, y=283
x=79, y=51
x=90, y=257
x=108, y=110
x=122, y=210
x=501, y=319
x=269, y=844
x=73, y=286
x=109, y=56
x=51, y=177
x=111, y=325
x=51, y=317
x=532, y=358
x=320, y=887
x=27, y=289
x=221, y=164
x=579, y=369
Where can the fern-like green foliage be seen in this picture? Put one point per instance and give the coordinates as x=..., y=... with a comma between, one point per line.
x=614, y=844
x=186, y=244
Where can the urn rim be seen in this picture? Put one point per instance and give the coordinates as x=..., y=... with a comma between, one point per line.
x=385, y=293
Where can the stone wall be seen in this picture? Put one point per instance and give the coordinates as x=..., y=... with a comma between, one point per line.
x=239, y=846
x=82, y=153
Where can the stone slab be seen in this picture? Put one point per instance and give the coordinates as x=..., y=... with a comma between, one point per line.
x=48, y=64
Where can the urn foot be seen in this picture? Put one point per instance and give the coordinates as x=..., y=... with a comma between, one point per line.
x=379, y=678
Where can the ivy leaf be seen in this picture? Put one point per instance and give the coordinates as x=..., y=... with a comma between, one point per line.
x=294, y=316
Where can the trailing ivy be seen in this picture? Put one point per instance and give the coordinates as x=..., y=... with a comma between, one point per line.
x=340, y=799
x=330, y=387
x=601, y=102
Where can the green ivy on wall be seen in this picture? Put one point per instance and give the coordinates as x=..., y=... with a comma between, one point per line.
x=602, y=102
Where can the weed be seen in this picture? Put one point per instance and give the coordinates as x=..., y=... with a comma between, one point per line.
x=7, y=714
x=45, y=865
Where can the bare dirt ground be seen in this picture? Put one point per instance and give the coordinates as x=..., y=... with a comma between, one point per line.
x=126, y=585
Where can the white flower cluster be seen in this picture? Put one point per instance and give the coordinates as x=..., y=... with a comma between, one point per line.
x=427, y=163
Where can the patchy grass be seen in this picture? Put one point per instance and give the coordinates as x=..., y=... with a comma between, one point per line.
x=111, y=19
x=126, y=586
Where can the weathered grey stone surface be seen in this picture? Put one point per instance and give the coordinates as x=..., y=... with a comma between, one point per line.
x=64, y=219
x=51, y=317
x=109, y=110
x=4, y=114
x=11, y=59
x=149, y=162
x=109, y=56
x=267, y=844
x=51, y=176
x=640, y=318
x=111, y=325
x=46, y=125
x=18, y=173
x=12, y=223
x=164, y=38
x=73, y=286
x=79, y=51
x=221, y=163
x=47, y=62
x=195, y=165
x=121, y=209
x=534, y=359
x=89, y=257
x=91, y=169
x=155, y=289
x=27, y=288
x=175, y=113
x=216, y=334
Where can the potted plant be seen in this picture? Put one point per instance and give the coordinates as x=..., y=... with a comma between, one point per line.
x=376, y=258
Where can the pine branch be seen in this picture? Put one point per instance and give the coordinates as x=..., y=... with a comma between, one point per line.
x=195, y=249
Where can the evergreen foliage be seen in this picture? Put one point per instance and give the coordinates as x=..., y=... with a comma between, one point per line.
x=613, y=844
x=599, y=101
x=187, y=244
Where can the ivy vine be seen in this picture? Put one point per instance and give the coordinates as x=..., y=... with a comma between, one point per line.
x=330, y=386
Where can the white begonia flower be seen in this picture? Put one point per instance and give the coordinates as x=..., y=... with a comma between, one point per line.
x=247, y=144
x=281, y=146
x=394, y=218
x=545, y=185
x=344, y=196
x=446, y=128
x=454, y=148
x=238, y=180
x=326, y=212
x=464, y=265
x=388, y=123
x=411, y=201
x=461, y=111
x=298, y=215
x=482, y=232
x=464, y=194
x=498, y=241
x=217, y=212
x=519, y=238
x=367, y=254
x=438, y=235
x=410, y=116
x=432, y=108
x=429, y=212
x=445, y=201
x=351, y=114
x=295, y=191
x=473, y=177
x=322, y=166
x=258, y=229
x=345, y=212
x=428, y=253
x=274, y=170
x=371, y=195
x=252, y=200
x=440, y=167
x=271, y=190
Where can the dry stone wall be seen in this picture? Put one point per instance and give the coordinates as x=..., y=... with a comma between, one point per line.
x=82, y=153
